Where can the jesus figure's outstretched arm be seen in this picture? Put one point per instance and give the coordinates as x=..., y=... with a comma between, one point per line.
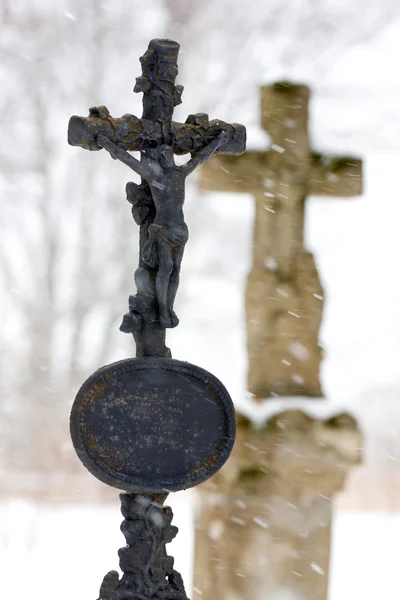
x=205, y=153
x=142, y=168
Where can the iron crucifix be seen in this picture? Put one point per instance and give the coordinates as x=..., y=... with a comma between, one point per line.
x=157, y=202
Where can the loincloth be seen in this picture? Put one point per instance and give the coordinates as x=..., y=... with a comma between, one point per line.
x=174, y=237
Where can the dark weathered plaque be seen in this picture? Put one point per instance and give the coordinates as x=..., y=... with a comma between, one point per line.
x=152, y=424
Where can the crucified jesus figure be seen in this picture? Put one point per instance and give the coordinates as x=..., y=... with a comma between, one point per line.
x=168, y=233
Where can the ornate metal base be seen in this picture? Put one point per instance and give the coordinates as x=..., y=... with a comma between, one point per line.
x=147, y=569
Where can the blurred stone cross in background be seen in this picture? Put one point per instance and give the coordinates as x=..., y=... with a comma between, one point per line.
x=284, y=298
x=268, y=513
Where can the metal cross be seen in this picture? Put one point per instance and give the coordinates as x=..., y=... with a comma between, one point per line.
x=151, y=425
x=157, y=202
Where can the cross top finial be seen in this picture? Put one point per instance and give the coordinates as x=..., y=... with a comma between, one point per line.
x=157, y=82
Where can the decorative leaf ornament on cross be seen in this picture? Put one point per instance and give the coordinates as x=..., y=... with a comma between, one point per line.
x=151, y=425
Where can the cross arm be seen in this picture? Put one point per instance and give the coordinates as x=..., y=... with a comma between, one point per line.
x=129, y=131
x=234, y=174
x=335, y=176
x=198, y=132
x=132, y=133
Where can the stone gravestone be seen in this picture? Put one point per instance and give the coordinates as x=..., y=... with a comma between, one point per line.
x=284, y=294
x=267, y=514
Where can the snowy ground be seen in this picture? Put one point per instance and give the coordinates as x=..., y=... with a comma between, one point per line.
x=364, y=562
x=63, y=552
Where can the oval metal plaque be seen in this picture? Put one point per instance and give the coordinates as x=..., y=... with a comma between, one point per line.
x=152, y=424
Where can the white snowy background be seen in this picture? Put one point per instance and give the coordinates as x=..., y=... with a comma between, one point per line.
x=68, y=251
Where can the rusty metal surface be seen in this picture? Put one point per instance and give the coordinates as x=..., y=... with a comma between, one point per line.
x=152, y=425
x=131, y=133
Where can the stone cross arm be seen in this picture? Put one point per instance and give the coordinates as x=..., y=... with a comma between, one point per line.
x=132, y=133
x=326, y=176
